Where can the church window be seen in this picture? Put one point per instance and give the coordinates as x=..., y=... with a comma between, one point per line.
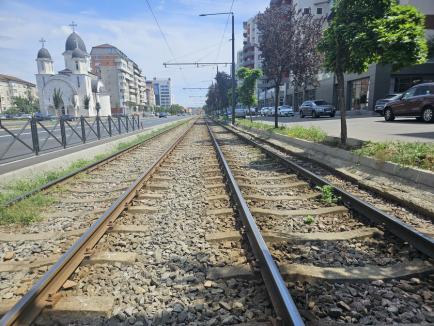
x=76, y=65
x=78, y=81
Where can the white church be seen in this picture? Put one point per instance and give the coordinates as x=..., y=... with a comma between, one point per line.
x=74, y=84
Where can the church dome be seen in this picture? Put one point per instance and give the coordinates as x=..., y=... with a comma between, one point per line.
x=74, y=41
x=77, y=53
x=44, y=54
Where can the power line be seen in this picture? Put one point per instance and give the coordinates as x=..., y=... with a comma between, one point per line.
x=224, y=31
x=159, y=27
x=164, y=38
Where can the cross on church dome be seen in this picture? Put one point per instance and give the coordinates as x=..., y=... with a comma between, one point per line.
x=73, y=26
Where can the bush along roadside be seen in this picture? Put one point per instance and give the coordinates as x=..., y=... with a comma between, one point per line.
x=307, y=133
x=29, y=209
x=419, y=155
x=416, y=154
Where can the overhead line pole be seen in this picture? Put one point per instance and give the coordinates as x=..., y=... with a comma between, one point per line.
x=233, y=57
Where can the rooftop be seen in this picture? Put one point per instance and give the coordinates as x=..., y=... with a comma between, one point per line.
x=15, y=79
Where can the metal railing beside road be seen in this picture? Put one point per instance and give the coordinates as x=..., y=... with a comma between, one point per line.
x=20, y=138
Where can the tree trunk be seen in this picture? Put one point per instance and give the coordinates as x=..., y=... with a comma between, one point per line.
x=341, y=105
x=276, y=104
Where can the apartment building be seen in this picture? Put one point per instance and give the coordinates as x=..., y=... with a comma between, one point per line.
x=122, y=78
x=363, y=90
x=11, y=87
x=150, y=95
x=163, y=92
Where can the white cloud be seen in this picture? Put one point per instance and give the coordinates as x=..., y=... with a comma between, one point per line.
x=21, y=26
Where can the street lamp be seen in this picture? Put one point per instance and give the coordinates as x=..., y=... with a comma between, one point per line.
x=233, y=58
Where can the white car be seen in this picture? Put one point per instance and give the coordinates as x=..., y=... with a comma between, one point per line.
x=285, y=111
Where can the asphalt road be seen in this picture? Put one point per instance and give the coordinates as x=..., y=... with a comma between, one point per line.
x=20, y=153
x=367, y=128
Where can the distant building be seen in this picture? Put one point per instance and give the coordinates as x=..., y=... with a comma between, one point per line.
x=11, y=87
x=163, y=92
x=122, y=78
x=150, y=94
x=74, y=83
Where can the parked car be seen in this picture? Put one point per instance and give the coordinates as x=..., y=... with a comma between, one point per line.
x=162, y=115
x=240, y=113
x=379, y=105
x=316, y=109
x=285, y=111
x=417, y=102
x=67, y=117
x=265, y=111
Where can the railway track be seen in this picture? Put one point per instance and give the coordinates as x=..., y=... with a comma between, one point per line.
x=342, y=259
x=77, y=202
x=218, y=230
x=150, y=260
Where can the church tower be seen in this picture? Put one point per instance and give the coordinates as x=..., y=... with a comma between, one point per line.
x=76, y=58
x=44, y=61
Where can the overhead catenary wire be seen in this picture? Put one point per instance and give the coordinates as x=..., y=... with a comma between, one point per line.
x=224, y=31
x=164, y=38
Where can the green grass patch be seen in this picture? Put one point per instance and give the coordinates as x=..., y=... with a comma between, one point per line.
x=29, y=210
x=420, y=155
x=307, y=133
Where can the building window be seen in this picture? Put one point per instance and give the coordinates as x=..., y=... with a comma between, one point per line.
x=359, y=94
x=319, y=11
x=306, y=11
x=76, y=65
x=78, y=81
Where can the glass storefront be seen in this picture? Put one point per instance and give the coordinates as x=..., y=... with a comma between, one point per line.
x=360, y=94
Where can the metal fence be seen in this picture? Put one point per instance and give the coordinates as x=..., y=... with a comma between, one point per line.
x=20, y=138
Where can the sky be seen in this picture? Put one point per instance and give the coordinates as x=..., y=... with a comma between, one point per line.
x=128, y=25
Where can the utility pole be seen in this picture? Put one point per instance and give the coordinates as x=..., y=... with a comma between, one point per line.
x=233, y=57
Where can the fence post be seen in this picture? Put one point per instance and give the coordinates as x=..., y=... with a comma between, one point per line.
x=133, y=119
x=35, y=138
x=138, y=122
x=119, y=124
x=98, y=129
x=110, y=125
x=62, y=132
x=83, y=130
x=126, y=118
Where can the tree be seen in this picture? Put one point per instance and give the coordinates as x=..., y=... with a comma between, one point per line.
x=57, y=100
x=246, y=91
x=362, y=32
x=211, y=100
x=86, y=102
x=27, y=104
x=307, y=60
x=277, y=26
x=223, y=85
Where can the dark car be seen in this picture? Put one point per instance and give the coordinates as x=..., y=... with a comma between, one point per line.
x=417, y=102
x=381, y=103
x=67, y=117
x=162, y=115
x=317, y=109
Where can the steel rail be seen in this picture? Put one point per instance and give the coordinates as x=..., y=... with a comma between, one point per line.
x=282, y=301
x=420, y=241
x=89, y=167
x=43, y=293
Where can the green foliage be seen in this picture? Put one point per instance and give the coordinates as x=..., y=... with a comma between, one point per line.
x=176, y=109
x=401, y=37
x=308, y=133
x=57, y=99
x=420, y=155
x=309, y=220
x=86, y=101
x=327, y=195
x=246, y=92
x=27, y=104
